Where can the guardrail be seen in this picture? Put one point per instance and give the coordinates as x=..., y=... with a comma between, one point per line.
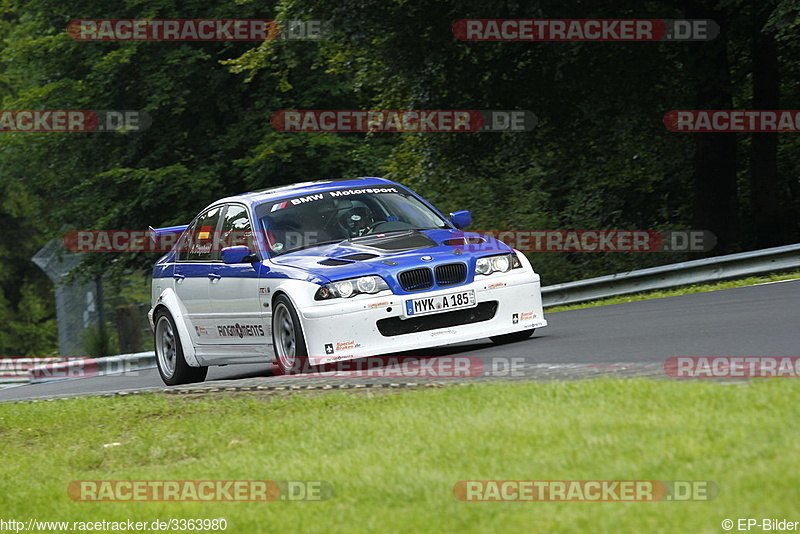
x=17, y=370
x=674, y=275
x=662, y=277
x=88, y=367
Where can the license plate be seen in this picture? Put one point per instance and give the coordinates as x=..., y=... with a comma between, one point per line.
x=440, y=303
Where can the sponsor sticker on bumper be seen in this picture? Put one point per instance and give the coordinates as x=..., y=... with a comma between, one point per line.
x=440, y=303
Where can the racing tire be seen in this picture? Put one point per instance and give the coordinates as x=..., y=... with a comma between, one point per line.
x=512, y=337
x=287, y=337
x=171, y=363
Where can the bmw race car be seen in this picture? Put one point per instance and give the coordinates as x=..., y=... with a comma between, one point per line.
x=330, y=271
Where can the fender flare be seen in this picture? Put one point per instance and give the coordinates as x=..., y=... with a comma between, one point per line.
x=297, y=291
x=169, y=300
x=526, y=264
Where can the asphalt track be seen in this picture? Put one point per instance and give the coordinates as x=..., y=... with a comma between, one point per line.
x=761, y=320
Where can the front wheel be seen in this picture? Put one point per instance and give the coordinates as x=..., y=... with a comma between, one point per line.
x=512, y=337
x=287, y=336
x=171, y=363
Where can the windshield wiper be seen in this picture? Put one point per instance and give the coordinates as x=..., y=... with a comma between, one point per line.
x=381, y=235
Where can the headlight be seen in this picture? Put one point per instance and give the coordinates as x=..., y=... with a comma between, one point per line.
x=483, y=266
x=345, y=288
x=501, y=263
x=497, y=264
x=351, y=287
x=367, y=284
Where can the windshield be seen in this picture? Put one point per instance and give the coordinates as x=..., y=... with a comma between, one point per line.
x=335, y=216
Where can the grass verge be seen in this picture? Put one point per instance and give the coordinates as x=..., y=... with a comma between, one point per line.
x=686, y=290
x=393, y=458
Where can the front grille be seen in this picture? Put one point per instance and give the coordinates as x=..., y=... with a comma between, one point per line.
x=394, y=326
x=416, y=279
x=451, y=274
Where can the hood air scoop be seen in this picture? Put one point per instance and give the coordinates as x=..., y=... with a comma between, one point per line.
x=360, y=256
x=397, y=242
x=347, y=260
x=461, y=241
x=333, y=262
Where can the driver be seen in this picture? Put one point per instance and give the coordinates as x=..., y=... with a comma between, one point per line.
x=357, y=220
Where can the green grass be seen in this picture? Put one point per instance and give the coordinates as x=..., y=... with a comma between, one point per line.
x=394, y=457
x=686, y=290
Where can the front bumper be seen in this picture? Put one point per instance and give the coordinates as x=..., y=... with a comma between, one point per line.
x=370, y=325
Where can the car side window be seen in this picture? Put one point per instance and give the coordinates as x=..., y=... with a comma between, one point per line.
x=200, y=241
x=236, y=228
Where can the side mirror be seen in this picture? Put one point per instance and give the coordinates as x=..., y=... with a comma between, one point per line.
x=238, y=254
x=461, y=219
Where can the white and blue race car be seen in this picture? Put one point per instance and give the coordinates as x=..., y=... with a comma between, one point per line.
x=330, y=271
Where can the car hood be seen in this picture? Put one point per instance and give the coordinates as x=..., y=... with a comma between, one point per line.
x=388, y=254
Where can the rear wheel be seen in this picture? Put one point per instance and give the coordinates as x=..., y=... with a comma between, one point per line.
x=287, y=336
x=171, y=363
x=512, y=337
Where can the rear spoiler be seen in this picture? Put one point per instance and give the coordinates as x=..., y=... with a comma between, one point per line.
x=156, y=233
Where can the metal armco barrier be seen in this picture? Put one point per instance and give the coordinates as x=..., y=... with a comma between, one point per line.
x=674, y=275
x=88, y=367
x=664, y=277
